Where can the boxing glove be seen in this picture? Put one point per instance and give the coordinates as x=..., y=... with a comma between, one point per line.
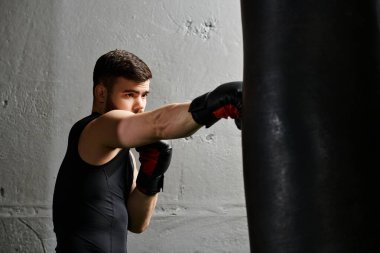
x=223, y=102
x=154, y=159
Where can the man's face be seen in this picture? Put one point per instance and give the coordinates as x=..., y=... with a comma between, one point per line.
x=127, y=95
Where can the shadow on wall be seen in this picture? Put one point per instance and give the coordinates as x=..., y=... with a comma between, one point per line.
x=27, y=129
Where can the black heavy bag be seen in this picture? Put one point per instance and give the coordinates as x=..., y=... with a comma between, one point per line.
x=311, y=125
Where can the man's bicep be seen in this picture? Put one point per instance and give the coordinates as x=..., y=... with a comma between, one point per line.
x=137, y=130
x=123, y=129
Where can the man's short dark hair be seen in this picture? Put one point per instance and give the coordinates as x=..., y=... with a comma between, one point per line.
x=120, y=63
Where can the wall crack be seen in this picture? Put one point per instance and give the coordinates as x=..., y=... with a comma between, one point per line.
x=35, y=232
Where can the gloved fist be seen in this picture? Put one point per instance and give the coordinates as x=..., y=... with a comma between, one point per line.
x=155, y=159
x=223, y=102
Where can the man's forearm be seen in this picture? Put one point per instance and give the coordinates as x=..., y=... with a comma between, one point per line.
x=140, y=210
x=167, y=122
x=174, y=121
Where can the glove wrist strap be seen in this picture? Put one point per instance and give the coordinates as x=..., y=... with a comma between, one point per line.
x=150, y=185
x=201, y=113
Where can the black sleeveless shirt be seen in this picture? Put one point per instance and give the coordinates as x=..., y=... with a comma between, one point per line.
x=89, y=203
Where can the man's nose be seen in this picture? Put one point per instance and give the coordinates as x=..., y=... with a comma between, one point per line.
x=138, y=105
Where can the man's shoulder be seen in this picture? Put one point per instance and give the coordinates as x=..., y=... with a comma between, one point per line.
x=81, y=124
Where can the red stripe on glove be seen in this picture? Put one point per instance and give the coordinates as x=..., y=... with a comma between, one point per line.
x=148, y=161
x=227, y=111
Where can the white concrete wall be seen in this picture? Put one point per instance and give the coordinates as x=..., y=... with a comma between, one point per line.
x=47, y=53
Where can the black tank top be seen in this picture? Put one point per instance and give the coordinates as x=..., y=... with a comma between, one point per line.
x=89, y=203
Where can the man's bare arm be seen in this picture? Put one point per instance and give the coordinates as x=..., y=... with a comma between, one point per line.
x=140, y=206
x=122, y=129
x=168, y=122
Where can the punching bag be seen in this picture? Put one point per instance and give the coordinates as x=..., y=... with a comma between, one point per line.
x=310, y=127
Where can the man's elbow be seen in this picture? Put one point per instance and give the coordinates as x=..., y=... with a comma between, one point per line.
x=138, y=229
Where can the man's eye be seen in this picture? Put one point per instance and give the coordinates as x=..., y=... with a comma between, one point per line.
x=130, y=95
x=145, y=95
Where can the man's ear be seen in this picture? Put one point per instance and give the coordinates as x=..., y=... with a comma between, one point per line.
x=100, y=93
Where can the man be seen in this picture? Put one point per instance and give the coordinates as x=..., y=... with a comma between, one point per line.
x=99, y=194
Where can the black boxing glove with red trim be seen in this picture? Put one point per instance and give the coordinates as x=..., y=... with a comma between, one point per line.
x=223, y=102
x=154, y=159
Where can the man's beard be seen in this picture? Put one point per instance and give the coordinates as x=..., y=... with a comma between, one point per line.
x=109, y=105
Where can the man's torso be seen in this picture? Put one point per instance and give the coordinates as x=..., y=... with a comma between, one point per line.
x=89, y=206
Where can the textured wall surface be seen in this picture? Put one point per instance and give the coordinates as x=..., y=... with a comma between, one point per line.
x=47, y=53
